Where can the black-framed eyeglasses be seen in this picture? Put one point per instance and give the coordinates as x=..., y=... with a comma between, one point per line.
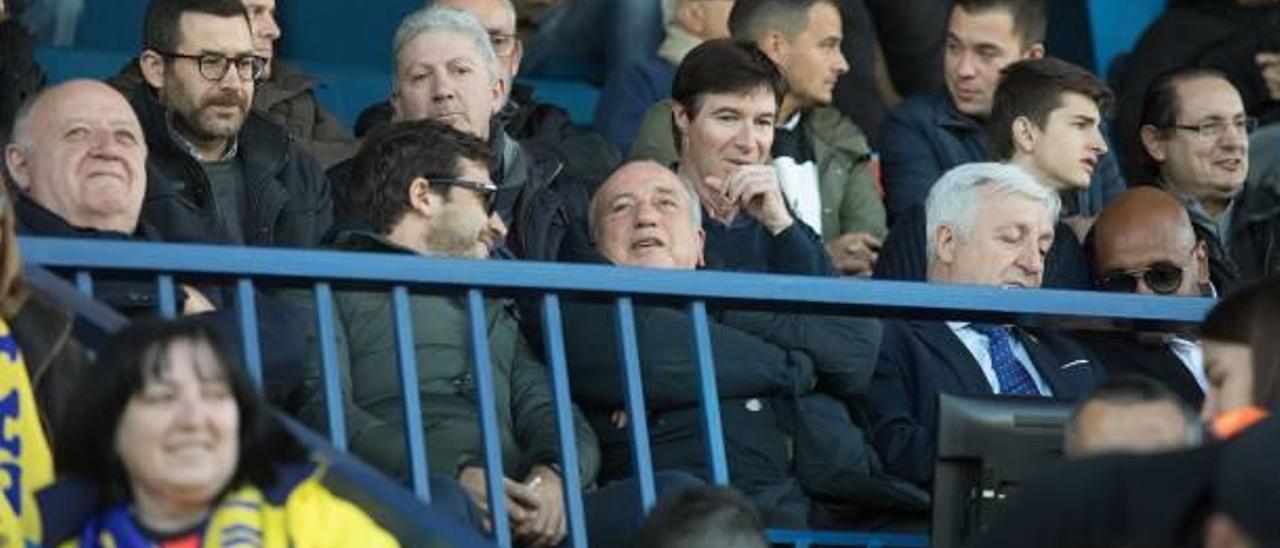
x=487, y=192
x=214, y=67
x=1164, y=278
x=504, y=44
x=1214, y=130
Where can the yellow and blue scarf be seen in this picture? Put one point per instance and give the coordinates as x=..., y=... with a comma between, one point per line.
x=26, y=464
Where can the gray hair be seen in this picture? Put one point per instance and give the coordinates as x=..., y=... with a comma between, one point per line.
x=695, y=203
x=507, y=7
x=953, y=201
x=441, y=19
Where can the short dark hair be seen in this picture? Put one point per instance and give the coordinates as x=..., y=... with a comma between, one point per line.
x=750, y=19
x=1249, y=316
x=1033, y=88
x=161, y=29
x=723, y=66
x=1160, y=106
x=703, y=517
x=84, y=444
x=1030, y=17
x=395, y=155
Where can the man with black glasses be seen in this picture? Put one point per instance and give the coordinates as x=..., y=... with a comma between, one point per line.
x=217, y=173
x=1143, y=243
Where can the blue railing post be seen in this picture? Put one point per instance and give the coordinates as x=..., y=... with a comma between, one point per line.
x=553, y=332
x=634, y=386
x=407, y=360
x=494, y=473
x=712, y=432
x=168, y=302
x=84, y=282
x=333, y=400
x=247, y=309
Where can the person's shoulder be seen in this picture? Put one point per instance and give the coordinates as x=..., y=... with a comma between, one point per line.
x=836, y=130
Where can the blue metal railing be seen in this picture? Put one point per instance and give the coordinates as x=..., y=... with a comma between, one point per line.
x=252, y=269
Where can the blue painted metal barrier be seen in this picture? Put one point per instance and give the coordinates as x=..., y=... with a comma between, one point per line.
x=254, y=269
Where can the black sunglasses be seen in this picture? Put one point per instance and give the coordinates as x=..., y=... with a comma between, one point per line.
x=1163, y=278
x=488, y=193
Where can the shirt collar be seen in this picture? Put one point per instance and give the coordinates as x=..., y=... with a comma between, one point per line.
x=232, y=149
x=792, y=123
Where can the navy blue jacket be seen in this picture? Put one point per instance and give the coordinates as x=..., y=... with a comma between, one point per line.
x=925, y=136
x=921, y=359
x=628, y=93
x=745, y=245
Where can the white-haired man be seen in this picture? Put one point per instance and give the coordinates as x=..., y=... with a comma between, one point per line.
x=988, y=224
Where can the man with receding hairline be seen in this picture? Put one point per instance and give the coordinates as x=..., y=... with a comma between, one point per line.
x=1144, y=243
x=644, y=215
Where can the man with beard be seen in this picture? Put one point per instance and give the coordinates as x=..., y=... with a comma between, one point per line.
x=216, y=172
x=424, y=187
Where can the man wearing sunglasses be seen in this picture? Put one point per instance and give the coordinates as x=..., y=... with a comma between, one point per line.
x=1143, y=243
x=217, y=173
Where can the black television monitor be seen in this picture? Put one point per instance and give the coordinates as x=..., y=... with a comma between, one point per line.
x=987, y=446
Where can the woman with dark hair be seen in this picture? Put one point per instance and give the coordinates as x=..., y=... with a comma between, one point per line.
x=171, y=446
x=1242, y=357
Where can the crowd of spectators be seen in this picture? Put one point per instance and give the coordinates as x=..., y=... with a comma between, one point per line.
x=744, y=153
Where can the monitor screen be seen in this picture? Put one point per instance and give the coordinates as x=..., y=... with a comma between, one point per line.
x=986, y=447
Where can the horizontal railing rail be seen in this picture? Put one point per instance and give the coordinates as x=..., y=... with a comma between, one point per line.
x=249, y=270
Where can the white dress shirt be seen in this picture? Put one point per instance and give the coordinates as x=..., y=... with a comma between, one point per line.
x=799, y=184
x=979, y=347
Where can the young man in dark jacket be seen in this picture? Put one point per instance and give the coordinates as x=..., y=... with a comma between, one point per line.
x=216, y=171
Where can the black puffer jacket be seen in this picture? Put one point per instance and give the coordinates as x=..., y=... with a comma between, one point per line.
x=288, y=195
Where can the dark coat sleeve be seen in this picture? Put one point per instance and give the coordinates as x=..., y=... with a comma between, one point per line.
x=904, y=443
x=799, y=250
x=746, y=366
x=843, y=349
x=902, y=257
x=908, y=164
x=534, y=419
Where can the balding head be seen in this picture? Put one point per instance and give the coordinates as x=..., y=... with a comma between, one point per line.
x=79, y=151
x=644, y=215
x=1146, y=230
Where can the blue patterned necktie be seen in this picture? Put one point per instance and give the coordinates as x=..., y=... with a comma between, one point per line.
x=1011, y=374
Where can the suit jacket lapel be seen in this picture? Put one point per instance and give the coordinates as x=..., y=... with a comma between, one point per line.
x=953, y=356
x=1160, y=362
x=1049, y=365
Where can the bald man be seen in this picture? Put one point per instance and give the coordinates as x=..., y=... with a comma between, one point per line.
x=1143, y=242
x=78, y=158
x=645, y=216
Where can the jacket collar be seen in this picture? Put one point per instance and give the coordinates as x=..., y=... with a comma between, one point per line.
x=946, y=114
x=286, y=82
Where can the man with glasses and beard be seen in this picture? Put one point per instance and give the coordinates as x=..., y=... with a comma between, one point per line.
x=217, y=173
x=1144, y=243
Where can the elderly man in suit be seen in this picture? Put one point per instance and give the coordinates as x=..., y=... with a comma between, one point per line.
x=988, y=224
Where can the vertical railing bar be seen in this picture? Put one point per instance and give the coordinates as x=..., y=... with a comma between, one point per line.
x=494, y=473
x=407, y=359
x=84, y=282
x=168, y=301
x=553, y=331
x=713, y=435
x=333, y=401
x=247, y=310
x=632, y=383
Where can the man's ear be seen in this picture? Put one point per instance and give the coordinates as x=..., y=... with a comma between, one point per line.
x=681, y=116
x=1036, y=51
x=1025, y=134
x=19, y=166
x=499, y=91
x=1153, y=143
x=1201, y=256
x=152, y=67
x=944, y=245
x=774, y=46
x=421, y=199
x=517, y=56
x=702, y=247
